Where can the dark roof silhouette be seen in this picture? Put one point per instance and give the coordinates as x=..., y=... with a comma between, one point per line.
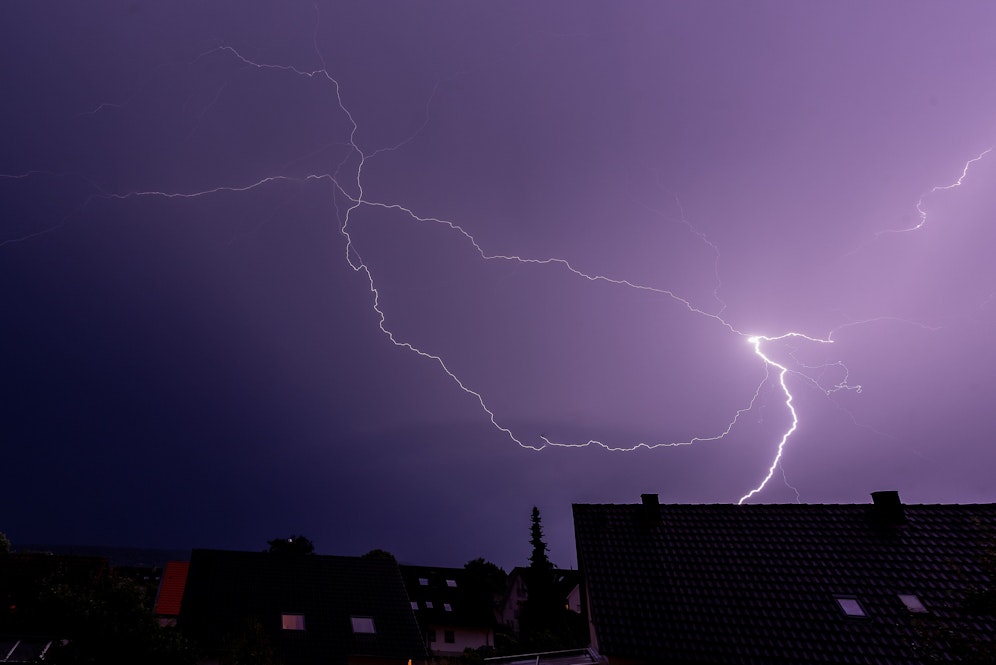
x=761, y=583
x=564, y=580
x=225, y=590
x=449, y=592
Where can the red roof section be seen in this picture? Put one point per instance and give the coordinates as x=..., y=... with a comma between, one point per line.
x=171, y=588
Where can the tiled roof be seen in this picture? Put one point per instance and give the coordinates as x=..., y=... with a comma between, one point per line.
x=758, y=583
x=171, y=588
x=445, y=587
x=226, y=589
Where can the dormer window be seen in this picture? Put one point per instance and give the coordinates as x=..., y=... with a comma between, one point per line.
x=292, y=621
x=850, y=606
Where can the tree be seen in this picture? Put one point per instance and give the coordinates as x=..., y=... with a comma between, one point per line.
x=487, y=575
x=380, y=554
x=538, y=560
x=545, y=622
x=484, y=586
x=250, y=646
x=293, y=546
x=4, y=544
x=537, y=616
x=109, y=620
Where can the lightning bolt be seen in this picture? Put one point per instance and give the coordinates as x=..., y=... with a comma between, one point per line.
x=921, y=202
x=755, y=341
x=942, y=188
x=351, y=188
x=348, y=185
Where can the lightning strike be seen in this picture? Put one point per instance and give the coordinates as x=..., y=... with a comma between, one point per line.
x=350, y=187
x=353, y=192
x=783, y=371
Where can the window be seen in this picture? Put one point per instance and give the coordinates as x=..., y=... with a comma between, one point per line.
x=449, y=637
x=414, y=604
x=451, y=583
x=432, y=634
x=292, y=621
x=912, y=603
x=363, y=625
x=851, y=606
x=447, y=607
x=424, y=581
x=428, y=604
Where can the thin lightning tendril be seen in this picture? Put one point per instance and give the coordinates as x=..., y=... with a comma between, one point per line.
x=940, y=188
x=357, y=200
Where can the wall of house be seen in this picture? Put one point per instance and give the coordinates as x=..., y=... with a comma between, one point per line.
x=463, y=638
x=514, y=600
x=574, y=599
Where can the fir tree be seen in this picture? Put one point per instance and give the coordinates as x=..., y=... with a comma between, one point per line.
x=538, y=560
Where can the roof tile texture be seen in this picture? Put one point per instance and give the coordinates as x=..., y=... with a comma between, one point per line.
x=758, y=583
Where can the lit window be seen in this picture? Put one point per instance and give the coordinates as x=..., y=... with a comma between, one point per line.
x=414, y=604
x=424, y=581
x=449, y=637
x=912, y=603
x=428, y=604
x=450, y=582
x=292, y=621
x=851, y=606
x=363, y=625
x=447, y=607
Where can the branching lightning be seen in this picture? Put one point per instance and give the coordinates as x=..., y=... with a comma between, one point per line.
x=922, y=201
x=350, y=186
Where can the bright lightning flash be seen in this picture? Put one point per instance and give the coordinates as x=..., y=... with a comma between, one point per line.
x=350, y=187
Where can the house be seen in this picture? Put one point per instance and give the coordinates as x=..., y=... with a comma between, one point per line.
x=566, y=584
x=305, y=608
x=452, y=614
x=170, y=593
x=876, y=583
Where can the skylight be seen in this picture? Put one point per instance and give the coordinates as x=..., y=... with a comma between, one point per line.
x=424, y=581
x=292, y=621
x=363, y=625
x=851, y=606
x=450, y=582
x=912, y=603
x=414, y=604
x=447, y=607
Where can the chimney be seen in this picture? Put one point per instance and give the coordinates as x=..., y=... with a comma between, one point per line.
x=887, y=508
x=651, y=508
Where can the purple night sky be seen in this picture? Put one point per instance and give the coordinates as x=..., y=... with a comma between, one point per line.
x=215, y=219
